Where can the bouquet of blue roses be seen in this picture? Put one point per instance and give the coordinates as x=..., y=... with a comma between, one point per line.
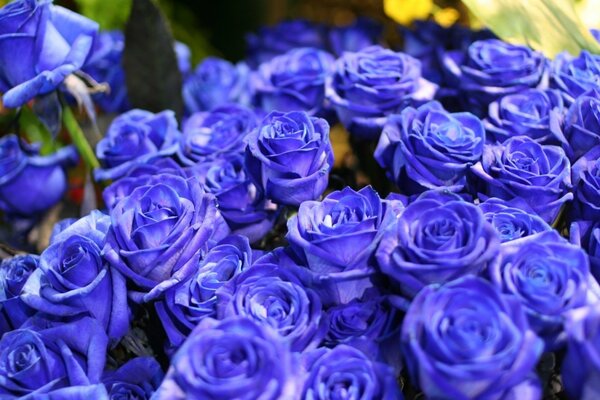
x=228, y=247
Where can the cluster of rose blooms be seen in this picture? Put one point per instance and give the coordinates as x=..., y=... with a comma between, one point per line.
x=456, y=287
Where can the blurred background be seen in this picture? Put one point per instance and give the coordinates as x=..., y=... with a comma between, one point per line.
x=219, y=27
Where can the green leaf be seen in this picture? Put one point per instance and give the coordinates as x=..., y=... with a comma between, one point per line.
x=79, y=139
x=35, y=131
x=151, y=71
x=186, y=29
x=550, y=26
x=109, y=14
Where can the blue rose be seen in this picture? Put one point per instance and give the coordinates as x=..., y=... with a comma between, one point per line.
x=278, y=39
x=574, y=76
x=536, y=113
x=135, y=136
x=232, y=359
x=74, y=280
x=521, y=167
x=494, y=69
x=29, y=183
x=293, y=81
x=275, y=296
x=216, y=82
x=586, y=234
x=338, y=237
x=372, y=83
x=437, y=47
x=289, y=156
x=54, y=361
x=51, y=42
x=435, y=240
x=194, y=299
x=105, y=67
x=371, y=318
x=430, y=148
x=580, y=370
x=512, y=219
x=242, y=204
x=549, y=276
x=464, y=340
x=143, y=173
x=209, y=135
x=345, y=372
x=14, y=272
x=136, y=379
x=582, y=124
x=362, y=33
x=586, y=182
x=158, y=233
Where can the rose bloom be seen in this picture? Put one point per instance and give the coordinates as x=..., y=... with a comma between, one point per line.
x=465, y=340
x=289, y=156
x=50, y=42
x=159, y=232
x=436, y=239
x=372, y=83
x=236, y=358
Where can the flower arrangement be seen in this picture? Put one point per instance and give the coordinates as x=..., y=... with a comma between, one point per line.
x=224, y=248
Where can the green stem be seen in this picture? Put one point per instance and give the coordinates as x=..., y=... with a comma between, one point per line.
x=35, y=131
x=78, y=137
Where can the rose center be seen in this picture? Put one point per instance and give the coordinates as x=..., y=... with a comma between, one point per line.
x=344, y=213
x=158, y=212
x=132, y=142
x=449, y=133
x=75, y=253
x=127, y=391
x=23, y=357
x=508, y=231
x=438, y=232
x=508, y=227
x=270, y=308
x=523, y=162
x=228, y=362
x=538, y=274
x=20, y=271
x=470, y=332
x=215, y=276
x=284, y=129
x=343, y=386
x=358, y=321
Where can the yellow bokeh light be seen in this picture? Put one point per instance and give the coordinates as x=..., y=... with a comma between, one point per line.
x=405, y=11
